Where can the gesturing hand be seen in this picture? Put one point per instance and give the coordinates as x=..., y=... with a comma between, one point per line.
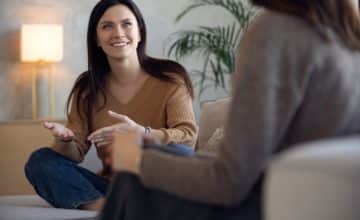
x=126, y=120
x=59, y=131
x=104, y=136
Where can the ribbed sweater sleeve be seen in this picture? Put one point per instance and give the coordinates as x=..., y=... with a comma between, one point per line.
x=180, y=119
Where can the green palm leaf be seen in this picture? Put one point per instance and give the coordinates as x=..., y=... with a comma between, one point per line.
x=216, y=44
x=240, y=9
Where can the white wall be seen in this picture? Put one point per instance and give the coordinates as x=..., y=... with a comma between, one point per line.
x=15, y=77
x=15, y=80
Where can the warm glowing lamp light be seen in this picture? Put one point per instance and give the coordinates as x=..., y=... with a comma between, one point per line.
x=43, y=45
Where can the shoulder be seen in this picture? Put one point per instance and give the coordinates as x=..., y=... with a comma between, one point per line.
x=175, y=81
x=278, y=36
x=166, y=88
x=282, y=31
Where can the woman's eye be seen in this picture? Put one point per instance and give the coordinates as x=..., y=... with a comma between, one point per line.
x=127, y=24
x=106, y=26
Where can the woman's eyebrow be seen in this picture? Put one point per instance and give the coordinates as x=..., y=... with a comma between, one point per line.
x=123, y=20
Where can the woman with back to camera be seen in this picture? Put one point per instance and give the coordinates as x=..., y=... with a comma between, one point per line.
x=297, y=80
x=123, y=88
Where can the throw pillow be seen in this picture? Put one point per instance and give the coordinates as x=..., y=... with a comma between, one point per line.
x=213, y=115
x=213, y=143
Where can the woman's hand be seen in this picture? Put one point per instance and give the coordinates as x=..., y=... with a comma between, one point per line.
x=59, y=131
x=104, y=136
x=128, y=122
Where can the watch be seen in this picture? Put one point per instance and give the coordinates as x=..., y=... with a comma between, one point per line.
x=147, y=130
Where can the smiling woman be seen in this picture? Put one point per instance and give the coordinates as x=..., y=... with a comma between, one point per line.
x=122, y=89
x=118, y=33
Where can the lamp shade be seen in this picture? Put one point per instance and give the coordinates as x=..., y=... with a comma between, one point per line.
x=41, y=43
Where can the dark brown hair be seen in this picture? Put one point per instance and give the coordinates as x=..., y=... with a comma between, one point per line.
x=339, y=15
x=91, y=83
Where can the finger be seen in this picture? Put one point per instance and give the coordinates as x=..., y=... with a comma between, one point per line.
x=102, y=136
x=69, y=133
x=103, y=143
x=102, y=139
x=101, y=131
x=67, y=138
x=62, y=137
x=95, y=134
x=48, y=125
x=120, y=117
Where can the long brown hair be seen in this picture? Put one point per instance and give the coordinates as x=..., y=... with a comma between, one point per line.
x=91, y=83
x=339, y=15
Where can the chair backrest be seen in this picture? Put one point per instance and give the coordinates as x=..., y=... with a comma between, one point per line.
x=315, y=181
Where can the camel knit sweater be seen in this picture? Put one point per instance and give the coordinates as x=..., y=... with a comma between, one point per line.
x=158, y=104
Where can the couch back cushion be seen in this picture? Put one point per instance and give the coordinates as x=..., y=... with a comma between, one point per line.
x=213, y=116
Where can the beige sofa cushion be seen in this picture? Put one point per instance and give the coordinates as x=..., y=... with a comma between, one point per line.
x=213, y=116
x=213, y=144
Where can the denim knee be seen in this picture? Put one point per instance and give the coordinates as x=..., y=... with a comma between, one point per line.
x=39, y=163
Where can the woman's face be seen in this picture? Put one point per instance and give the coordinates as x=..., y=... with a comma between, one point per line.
x=118, y=33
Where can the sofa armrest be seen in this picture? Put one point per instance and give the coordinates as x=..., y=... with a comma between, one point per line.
x=315, y=181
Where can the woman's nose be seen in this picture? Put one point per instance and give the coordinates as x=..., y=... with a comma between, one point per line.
x=118, y=31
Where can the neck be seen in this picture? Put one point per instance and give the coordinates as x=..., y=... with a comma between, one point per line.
x=125, y=72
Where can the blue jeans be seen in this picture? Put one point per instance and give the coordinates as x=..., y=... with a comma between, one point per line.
x=64, y=184
x=177, y=149
x=61, y=182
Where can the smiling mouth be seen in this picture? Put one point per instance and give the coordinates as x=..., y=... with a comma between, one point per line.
x=120, y=44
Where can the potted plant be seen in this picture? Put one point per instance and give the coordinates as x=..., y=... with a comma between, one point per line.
x=216, y=44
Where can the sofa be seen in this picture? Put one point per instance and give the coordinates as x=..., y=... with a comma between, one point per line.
x=17, y=197
x=314, y=181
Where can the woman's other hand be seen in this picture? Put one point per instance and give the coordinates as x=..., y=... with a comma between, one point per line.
x=59, y=131
x=123, y=119
x=104, y=136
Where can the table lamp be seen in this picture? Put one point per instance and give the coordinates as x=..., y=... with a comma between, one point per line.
x=42, y=45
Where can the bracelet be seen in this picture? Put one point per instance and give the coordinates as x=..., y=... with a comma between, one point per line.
x=147, y=130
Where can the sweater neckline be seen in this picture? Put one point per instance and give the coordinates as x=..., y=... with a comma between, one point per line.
x=135, y=97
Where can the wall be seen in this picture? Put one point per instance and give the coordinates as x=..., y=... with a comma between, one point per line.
x=15, y=80
x=15, y=77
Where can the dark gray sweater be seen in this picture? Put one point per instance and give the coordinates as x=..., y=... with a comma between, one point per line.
x=291, y=87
